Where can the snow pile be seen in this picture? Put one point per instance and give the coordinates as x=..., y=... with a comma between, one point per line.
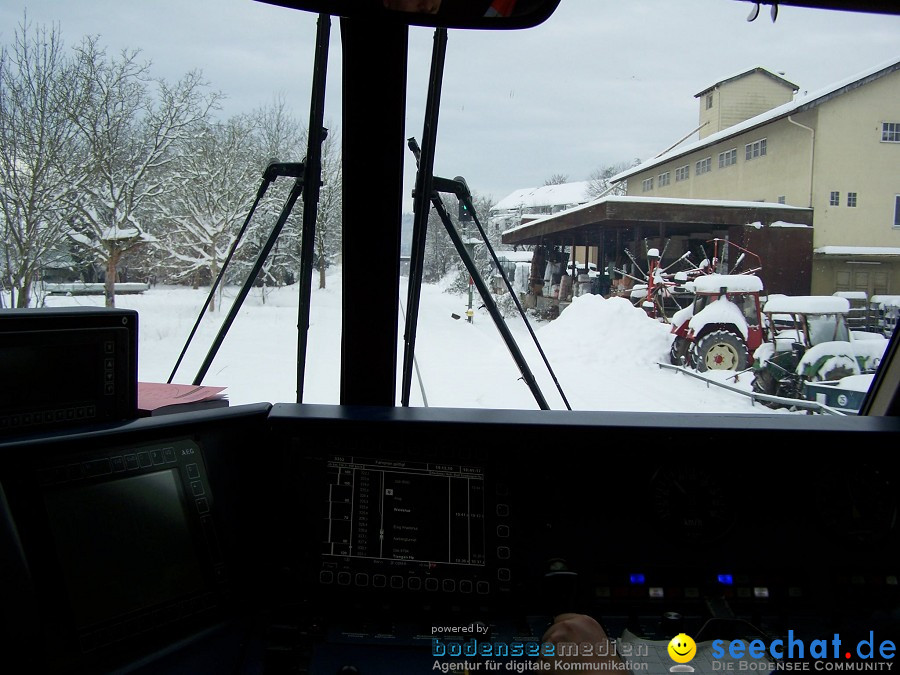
x=606, y=334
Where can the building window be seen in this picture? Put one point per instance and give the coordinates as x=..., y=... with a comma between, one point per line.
x=709, y=100
x=663, y=179
x=755, y=149
x=683, y=172
x=727, y=158
x=897, y=211
x=782, y=199
x=835, y=199
x=890, y=132
x=647, y=185
x=704, y=166
x=851, y=199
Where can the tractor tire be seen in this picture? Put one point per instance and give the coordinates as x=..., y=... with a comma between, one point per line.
x=679, y=354
x=721, y=350
x=764, y=383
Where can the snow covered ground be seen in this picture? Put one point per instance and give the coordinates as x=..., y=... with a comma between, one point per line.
x=604, y=353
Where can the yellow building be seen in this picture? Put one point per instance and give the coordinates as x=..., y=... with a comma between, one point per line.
x=836, y=150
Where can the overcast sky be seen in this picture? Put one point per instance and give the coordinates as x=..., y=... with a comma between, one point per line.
x=602, y=81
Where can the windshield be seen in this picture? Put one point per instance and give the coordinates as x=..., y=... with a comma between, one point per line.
x=626, y=127
x=826, y=328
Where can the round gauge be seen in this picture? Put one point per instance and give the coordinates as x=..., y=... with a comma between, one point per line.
x=690, y=504
x=858, y=504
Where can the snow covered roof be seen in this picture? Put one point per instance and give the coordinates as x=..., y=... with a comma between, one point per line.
x=744, y=73
x=857, y=250
x=799, y=104
x=807, y=304
x=739, y=283
x=634, y=199
x=547, y=195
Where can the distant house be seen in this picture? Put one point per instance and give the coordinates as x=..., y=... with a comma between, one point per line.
x=522, y=206
x=836, y=151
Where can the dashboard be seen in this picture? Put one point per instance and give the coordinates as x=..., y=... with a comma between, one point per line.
x=303, y=538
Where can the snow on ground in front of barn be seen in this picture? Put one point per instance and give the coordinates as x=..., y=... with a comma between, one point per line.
x=604, y=352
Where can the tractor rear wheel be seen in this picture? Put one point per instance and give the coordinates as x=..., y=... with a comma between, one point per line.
x=679, y=354
x=721, y=350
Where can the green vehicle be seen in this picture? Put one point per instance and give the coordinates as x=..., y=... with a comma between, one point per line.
x=809, y=341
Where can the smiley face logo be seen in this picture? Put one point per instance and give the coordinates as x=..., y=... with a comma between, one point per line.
x=682, y=648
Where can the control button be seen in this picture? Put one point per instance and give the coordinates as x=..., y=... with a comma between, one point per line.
x=396, y=582
x=379, y=581
x=361, y=579
x=202, y=505
x=503, y=574
x=502, y=489
x=144, y=459
x=109, y=376
x=656, y=592
x=343, y=578
x=502, y=510
x=80, y=412
x=197, y=488
x=448, y=586
x=193, y=471
x=109, y=347
x=465, y=586
x=97, y=467
x=414, y=584
x=109, y=363
x=169, y=454
x=692, y=592
x=503, y=552
x=743, y=592
x=483, y=587
x=603, y=591
x=109, y=389
x=131, y=462
x=156, y=456
x=431, y=584
x=503, y=531
x=91, y=411
x=26, y=418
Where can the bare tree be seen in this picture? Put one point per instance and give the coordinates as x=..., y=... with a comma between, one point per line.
x=279, y=135
x=328, y=217
x=557, y=179
x=37, y=90
x=131, y=137
x=213, y=185
x=599, y=184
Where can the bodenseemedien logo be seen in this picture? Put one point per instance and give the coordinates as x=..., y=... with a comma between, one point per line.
x=682, y=649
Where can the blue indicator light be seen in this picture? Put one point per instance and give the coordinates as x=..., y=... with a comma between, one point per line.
x=726, y=579
x=637, y=578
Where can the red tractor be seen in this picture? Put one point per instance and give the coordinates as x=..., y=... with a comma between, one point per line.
x=723, y=327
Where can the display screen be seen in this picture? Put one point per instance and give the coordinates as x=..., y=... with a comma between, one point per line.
x=124, y=545
x=62, y=374
x=418, y=512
